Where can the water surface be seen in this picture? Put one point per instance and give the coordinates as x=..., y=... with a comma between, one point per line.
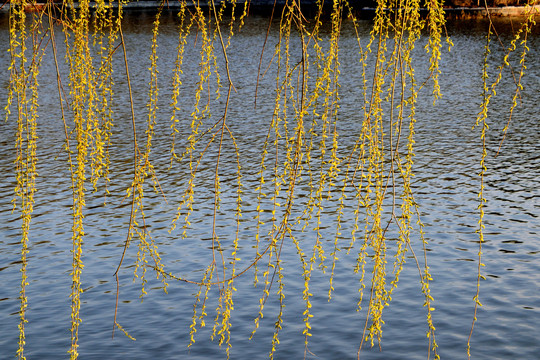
x=445, y=184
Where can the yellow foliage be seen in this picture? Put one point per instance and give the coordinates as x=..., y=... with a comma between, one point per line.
x=302, y=145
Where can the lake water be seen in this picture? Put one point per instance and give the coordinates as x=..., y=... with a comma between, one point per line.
x=446, y=186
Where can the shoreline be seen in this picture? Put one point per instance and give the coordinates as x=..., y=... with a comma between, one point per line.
x=260, y=6
x=506, y=11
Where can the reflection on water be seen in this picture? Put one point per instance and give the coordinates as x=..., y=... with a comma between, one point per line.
x=446, y=186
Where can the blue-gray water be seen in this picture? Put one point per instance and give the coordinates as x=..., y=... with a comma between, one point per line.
x=446, y=186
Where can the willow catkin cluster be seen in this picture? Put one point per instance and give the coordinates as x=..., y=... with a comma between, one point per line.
x=489, y=91
x=83, y=104
x=24, y=92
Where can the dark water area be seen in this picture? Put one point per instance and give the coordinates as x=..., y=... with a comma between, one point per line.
x=446, y=185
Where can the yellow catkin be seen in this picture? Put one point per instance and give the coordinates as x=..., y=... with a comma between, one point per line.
x=520, y=36
x=183, y=32
x=83, y=105
x=146, y=247
x=105, y=36
x=481, y=121
x=489, y=91
x=23, y=89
